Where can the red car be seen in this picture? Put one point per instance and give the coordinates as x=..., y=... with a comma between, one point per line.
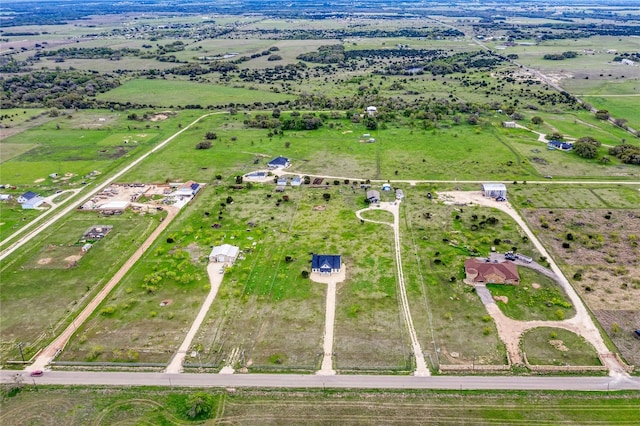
x=36, y=373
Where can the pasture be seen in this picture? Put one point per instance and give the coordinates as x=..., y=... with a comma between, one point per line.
x=111, y=405
x=54, y=275
x=180, y=93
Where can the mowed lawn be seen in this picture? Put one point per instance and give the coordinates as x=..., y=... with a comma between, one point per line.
x=169, y=93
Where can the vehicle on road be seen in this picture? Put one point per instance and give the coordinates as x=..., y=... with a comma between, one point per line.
x=637, y=333
x=36, y=373
x=548, y=177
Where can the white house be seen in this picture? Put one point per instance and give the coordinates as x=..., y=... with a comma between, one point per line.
x=30, y=200
x=225, y=253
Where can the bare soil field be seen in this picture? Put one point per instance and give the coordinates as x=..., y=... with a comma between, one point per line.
x=599, y=251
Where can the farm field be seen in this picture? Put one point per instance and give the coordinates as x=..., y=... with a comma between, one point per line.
x=421, y=101
x=109, y=405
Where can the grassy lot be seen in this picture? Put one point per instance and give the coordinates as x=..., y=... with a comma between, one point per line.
x=575, y=197
x=527, y=303
x=179, y=93
x=53, y=275
x=619, y=106
x=556, y=346
x=113, y=405
x=13, y=217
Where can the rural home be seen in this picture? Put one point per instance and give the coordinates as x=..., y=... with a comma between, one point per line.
x=326, y=263
x=482, y=272
x=30, y=200
x=563, y=146
x=373, y=196
x=225, y=253
x=494, y=190
x=279, y=163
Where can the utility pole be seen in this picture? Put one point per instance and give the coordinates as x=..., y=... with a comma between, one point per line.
x=21, y=353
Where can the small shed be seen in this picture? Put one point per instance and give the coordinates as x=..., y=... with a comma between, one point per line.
x=494, y=190
x=509, y=124
x=371, y=111
x=386, y=187
x=226, y=253
x=399, y=194
x=296, y=181
x=86, y=247
x=326, y=263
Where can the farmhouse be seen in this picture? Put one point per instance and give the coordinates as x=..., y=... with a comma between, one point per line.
x=481, y=272
x=279, y=163
x=373, y=196
x=225, y=253
x=30, y=200
x=326, y=263
x=509, y=124
x=494, y=190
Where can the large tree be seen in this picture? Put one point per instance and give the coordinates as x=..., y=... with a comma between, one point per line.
x=586, y=147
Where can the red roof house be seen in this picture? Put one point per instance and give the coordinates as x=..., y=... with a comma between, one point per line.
x=479, y=271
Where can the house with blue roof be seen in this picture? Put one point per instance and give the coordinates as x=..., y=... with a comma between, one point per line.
x=326, y=263
x=30, y=200
x=563, y=146
x=279, y=163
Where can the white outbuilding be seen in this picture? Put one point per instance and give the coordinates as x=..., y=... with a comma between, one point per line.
x=494, y=190
x=225, y=253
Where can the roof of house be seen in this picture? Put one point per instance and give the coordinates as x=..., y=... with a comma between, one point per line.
x=508, y=270
x=279, y=161
x=225, y=250
x=494, y=187
x=29, y=195
x=326, y=261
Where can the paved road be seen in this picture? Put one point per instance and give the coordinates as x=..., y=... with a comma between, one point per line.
x=338, y=381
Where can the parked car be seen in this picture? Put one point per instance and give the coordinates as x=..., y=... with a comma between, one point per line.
x=637, y=333
x=548, y=177
x=36, y=373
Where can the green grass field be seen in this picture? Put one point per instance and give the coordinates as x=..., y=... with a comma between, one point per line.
x=556, y=346
x=179, y=93
x=113, y=405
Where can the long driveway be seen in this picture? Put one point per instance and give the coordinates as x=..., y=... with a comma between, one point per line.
x=49, y=353
x=394, y=209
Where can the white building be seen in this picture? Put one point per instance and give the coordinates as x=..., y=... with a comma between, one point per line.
x=30, y=200
x=225, y=253
x=494, y=190
x=371, y=110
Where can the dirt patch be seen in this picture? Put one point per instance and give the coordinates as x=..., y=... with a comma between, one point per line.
x=503, y=299
x=166, y=302
x=559, y=345
x=39, y=180
x=159, y=117
x=319, y=208
x=72, y=260
x=195, y=252
x=44, y=261
x=535, y=285
x=619, y=326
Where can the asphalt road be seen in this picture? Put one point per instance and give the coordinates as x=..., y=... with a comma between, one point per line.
x=338, y=381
